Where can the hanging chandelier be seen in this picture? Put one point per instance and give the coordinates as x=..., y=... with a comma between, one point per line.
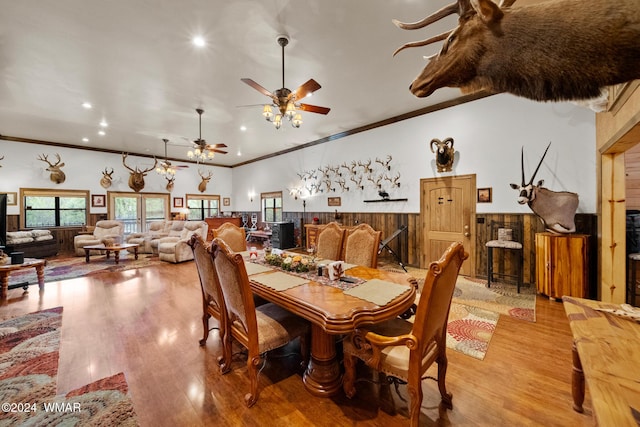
x=202, y=151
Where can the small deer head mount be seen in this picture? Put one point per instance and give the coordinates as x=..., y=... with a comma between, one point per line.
x=136, y=176
x=202, y=187
x=170, y=180
x=444, y=153
x=106, y=179
x=56, y=175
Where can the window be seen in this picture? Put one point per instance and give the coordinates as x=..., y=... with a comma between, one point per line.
x=42, y=208
x=271, y=206
x=201, y=206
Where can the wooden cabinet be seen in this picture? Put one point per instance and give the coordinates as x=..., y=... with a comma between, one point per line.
x=562, y=265
x=215, y=222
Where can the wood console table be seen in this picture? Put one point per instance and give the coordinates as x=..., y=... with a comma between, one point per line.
x=606, y=352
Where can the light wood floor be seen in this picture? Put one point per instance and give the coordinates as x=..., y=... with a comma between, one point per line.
x=147, y=323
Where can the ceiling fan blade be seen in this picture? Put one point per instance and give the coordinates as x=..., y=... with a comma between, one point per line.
x=259, y=88
x=218, y=145
x=307, y=88
x=314, y=109
x=215, y=150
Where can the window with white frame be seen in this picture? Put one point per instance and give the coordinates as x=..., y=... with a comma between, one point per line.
x=271, y=206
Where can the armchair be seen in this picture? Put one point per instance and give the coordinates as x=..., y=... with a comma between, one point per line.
x=103, y=229
x=404, y=349
x=175, y=247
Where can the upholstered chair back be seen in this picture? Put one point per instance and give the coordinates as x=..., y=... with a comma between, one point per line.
x=212, y=300
x=236, y=290
x=330, y=241
x=233, y=236
x=177, y=227
x=362, y=246
x=109, y=228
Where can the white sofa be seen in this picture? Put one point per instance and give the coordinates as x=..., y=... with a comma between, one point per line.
x=148, y=241
x=104, y=229
x=174, y=248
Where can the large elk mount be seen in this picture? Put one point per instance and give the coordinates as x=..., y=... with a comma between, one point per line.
x=532, y=51
x=136, y=175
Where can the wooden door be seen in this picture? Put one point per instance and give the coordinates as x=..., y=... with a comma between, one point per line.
x=448, y=211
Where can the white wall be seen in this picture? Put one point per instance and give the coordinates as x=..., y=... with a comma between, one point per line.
x=83, y=170
x=488, y=134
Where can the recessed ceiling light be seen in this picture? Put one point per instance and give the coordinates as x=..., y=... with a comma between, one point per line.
x=101, y=133
x=199, y=41
x=104, y=123
x=87, y=105
x=243, y=128
x=239, y=153
x=85, y=139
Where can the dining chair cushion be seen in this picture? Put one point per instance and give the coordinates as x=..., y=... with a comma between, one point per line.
x=330, y=241
x=232, y=235
x=362, y=246
x=277, y=327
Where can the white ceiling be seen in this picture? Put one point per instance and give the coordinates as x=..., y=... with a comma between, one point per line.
x=134, y=61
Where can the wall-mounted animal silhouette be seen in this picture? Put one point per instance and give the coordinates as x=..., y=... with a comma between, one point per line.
x=202, y=187
x=556, y=209
x=107, y=178
x=533, y=51
x=444, y=153
x=136, y=176
x=56, y=174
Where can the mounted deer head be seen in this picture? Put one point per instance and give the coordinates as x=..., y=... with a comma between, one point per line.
x=170, y=180
x=136, y=176
x=56, y=174
x=202, y=187
x=106, y=179
x=556, y=209
x=533, y=51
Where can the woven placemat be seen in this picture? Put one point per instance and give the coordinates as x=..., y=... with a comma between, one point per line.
x=379, y=292
x=279, y=280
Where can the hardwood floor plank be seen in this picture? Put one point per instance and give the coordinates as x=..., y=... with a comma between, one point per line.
x=147, y=324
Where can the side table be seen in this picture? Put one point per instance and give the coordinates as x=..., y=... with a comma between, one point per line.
x=6, y=269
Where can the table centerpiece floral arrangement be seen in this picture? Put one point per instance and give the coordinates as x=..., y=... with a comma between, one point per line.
x=291, y=262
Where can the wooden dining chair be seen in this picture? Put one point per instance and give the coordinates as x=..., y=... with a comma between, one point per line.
x=330, y=241
x=212, y=299
x=233, y=236
x=258, y=329
x=362, y=246
x=405, y=350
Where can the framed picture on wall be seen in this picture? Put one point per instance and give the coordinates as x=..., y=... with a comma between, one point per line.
x=98, y=200
x=178, y=202
x=334, y=201
x=12, y=199
x=226, y=201
x=484, y=195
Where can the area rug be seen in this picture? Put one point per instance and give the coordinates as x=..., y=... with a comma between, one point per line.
x=69, y=268
x=500, y=298
x=29, y=347
x=469, y=329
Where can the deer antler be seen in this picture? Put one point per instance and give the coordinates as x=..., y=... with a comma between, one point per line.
x=205, y=177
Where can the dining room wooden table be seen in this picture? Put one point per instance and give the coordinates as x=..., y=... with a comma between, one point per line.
x=333, y=313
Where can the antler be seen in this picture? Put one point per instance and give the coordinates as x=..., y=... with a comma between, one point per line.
x=538, y=167
x=205, y=177
x=124, y=157
x=105, y=172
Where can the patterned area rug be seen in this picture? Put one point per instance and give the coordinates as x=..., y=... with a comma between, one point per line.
x=69, y=268
x=475, y=310
x=29, y=347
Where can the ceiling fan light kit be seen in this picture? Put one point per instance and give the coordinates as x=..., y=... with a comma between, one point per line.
x=201, y=150
x=284, y=100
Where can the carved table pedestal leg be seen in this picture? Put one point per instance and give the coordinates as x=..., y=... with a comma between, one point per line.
x=322, y=377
